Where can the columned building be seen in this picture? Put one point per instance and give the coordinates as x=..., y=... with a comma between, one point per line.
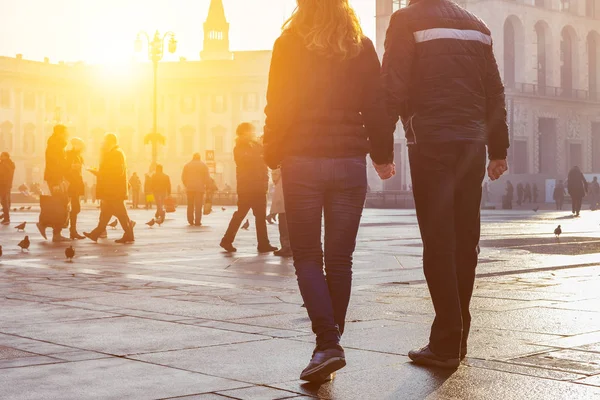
x=200, y=104
x=548, y=52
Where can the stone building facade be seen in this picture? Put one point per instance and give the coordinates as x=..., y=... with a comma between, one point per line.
x=200, y=103
x=548, y=52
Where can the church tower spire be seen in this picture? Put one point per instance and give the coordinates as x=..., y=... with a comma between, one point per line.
x=216, y=33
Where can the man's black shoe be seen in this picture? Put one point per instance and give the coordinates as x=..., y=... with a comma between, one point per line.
x=228, y=246
x=267, y=249
x=323, y=364
x=463, y=353
x=424, y=356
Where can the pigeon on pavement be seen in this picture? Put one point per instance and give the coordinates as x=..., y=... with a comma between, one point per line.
x=151, y=223
x=21, y=227
x=558, y=232
x=70, y=253
x=246, y=225
x=114, y=224
x=25, y=243
x=536, y=209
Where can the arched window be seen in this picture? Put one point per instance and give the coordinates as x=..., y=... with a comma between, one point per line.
x=29, y=139
x=218, y=134
x=6, y=136
x=544, y=55
x=568, y=58
x=510, y=51
x=593, y=49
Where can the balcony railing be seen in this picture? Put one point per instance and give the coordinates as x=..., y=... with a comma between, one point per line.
x=552, y=91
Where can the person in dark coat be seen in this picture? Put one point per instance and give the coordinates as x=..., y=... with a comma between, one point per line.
x=527, y=195
x=594, y=194
x=559, y=195
x=196, y=179
x=520, y=193
x=510, y=194
x=443, y=81
x=7, y=174
x=252, y=185
x=161, y=189
x=112, y=191
x=54, y=175
x=578, y=187
x=135, y=184
x=148, y=196
x=76, y=188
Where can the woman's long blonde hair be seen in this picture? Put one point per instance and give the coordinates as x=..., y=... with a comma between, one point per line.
x=328, y=27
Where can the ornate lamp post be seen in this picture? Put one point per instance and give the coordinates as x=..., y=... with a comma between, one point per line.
x=155, y=54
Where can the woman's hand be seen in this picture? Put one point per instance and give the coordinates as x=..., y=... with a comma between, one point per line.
x=385, y=171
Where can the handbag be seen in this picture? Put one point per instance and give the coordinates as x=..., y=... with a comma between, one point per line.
x=170, y=204
x=54, y=210
x=207, y=209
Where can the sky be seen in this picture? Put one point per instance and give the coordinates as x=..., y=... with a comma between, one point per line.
x=103, y=31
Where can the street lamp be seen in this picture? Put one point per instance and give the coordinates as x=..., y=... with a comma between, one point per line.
x=155, y=54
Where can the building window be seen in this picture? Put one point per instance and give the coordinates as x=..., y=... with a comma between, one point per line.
x=188, y=104
x=593, y=65
x=5, y=98
x=50, y=102
x=187, y=139
x=250, y=102
x=521, y=159
x=98, y=105
x=6, y=136
x=568, y=59
x=219, y=103
x=218, y=134
x=398, y=4
x=596, y=147
x=29, y=101
x=565, y=5
x=547, y=145
x=29, y=139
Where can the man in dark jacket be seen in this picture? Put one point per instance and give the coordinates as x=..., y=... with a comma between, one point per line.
x=252, y=185
x=161, y=188
x=578, y=187
x=7, y=174
x=196, y=179
x=443, y=82
x=76, y=188
x=111, y=190
x=54, y=175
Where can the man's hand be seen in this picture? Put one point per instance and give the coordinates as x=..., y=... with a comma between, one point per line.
x=385, y=171
x=496, y=169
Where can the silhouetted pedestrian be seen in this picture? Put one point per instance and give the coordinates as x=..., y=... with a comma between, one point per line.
x=559, y=195
x=594, y=194
x=520, y=193
x=161, y=189
x=196, y=179
x=7, y=174
x=578, y=187
x=510, y=195
x=527, y=194
x=252, y=185
x=76, y=188
x=148, y=196
x=112, y=190
x=135, y=184
x=54, y=175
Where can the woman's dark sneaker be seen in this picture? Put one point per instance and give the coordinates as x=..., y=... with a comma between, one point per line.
x=323, y=364
x=424, y=356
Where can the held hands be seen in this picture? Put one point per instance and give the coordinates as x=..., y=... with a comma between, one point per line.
x=497, y=168
x=385, y=171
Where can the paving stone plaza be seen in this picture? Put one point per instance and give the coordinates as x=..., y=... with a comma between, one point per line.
x=172, y=316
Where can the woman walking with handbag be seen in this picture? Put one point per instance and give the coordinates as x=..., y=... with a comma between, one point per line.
x=325, y=111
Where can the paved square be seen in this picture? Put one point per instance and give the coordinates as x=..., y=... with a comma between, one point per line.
x=172, y=316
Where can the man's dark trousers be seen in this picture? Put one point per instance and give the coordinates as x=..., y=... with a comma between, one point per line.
x=247, y=201
x=447, y=180
x=195, y=207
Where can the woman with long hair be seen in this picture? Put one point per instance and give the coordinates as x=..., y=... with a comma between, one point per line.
x=325, y=111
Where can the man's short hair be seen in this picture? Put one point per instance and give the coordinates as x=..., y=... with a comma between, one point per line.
x=243, y=128
x=196, y=156
x=159, y=168
x=4, y=154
